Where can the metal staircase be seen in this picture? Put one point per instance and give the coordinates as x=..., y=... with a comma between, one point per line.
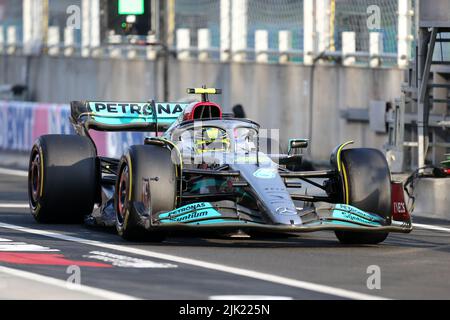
x=419, y=124
x=433, y=99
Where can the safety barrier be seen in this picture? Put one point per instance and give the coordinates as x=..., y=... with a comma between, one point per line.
x=21, y=123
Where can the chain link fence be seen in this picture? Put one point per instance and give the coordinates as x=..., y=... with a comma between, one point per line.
x=199, y=14
x=352, y=15
x=275, y=16
x=11, y=16
x=269, y=20
x=57, y=16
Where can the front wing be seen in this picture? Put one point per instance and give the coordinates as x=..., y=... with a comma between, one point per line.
x=227, y=215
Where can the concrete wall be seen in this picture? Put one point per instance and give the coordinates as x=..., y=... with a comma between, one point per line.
x=277, y=96
x=433, y=198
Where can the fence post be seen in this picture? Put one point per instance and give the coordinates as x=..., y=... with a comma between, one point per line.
x=11, y=39
x=239, y=30
x=151, y=52
x=348, y=47
x=95, y=27
x=85, y=28
x=376, y=49
x=131, y=51
x=284, y=44
x=261, y=45
x=69, y=41
x=225, y=29
x=183, y=43
x=2, y=39
x=404, y=27
x=113, y=40
x=90, y=28
x=308, y=32
x=204, y=44
x=33, y=33
x=53, y=40
x=323, y=25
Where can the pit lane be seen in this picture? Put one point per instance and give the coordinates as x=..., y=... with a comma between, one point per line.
x=312, y=266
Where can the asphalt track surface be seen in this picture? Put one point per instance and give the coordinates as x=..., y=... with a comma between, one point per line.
x=37, y=262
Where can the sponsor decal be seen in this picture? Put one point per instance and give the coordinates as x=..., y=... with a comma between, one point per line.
x=354, y=210
x=353, y=214
x=127, y=262
x=22, y=122
x=118, y=142
x=58, y=119
x=192, y=212
x=18, y=126
x=136, y=109
x=100, y=138
x=399, y=207
x=120, y=108
x=286, y=211
x=265, y=173
x=3, y=125
x=217, y=221
x=40, y=127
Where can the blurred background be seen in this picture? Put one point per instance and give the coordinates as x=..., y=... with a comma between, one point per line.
x=326, y=70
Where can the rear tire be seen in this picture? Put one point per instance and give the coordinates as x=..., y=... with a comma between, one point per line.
x=62, y=178
x=369, y=183
x=154, y=164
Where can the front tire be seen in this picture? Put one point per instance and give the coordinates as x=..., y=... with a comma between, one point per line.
x=150, y=168
x=369, y=189
x=62, y=178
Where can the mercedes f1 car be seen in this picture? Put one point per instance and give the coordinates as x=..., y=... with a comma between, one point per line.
x=202, y=169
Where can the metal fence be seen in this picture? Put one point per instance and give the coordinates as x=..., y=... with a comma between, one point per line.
x=268, y=31
x=352, y=16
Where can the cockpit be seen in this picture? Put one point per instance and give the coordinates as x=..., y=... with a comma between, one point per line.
x=215, y=138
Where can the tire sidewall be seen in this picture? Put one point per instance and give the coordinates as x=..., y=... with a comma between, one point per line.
x=134, y=226
x=356, y=162
x=68, y=178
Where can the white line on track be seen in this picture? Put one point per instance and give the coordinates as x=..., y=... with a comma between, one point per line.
x=430, y=227
x=11, y=172
x=104, y=294
x=342, y=293
x=23, y=247
x=14, y=205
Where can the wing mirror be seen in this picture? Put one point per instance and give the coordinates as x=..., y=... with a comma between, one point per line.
x=295, y=144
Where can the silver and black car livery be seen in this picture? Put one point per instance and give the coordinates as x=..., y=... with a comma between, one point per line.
x=202, y=169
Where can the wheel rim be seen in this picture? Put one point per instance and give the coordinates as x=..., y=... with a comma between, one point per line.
x=35, y=178
x=122, y=194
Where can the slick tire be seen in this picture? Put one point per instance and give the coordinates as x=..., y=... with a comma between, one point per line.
x=62, y=178
x=369, y=189
x=146, y=185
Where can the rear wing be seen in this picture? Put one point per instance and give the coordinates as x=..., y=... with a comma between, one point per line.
x=125, y=116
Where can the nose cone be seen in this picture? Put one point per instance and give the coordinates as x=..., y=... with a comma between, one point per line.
x=271, y=192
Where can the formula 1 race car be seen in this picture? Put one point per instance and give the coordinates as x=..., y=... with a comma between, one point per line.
x=202, y=169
